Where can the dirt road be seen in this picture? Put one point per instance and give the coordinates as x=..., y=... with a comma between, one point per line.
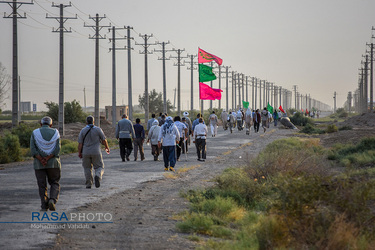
x=142, y=199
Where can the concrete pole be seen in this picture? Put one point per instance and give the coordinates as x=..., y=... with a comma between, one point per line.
x=113, y=77
x=130, y=92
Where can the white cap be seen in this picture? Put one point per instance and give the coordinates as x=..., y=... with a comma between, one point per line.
x=186, y=113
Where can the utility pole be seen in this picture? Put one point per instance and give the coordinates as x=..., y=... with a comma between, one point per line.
x=233, y=94
x=84, y=98
x=61, y=19
x=19, y=99
x=163, y=58
x=295, y=96
x=243, y=88
x=247, y=88
x=366, y=83
x=260, y=95
x=97, y=37
x=192, y=68
x=227, y=89
x=349, y=101
x=113, y=49
x=371, y=77
x=179, y=64
x=15, y=95
x=130, y=91
x=146, y=52
x=252, y=92
x=334, y=102
x=256, y=90
x=174, y=100
x=239, y=90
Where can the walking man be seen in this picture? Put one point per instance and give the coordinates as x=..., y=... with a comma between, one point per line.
x=45, y=149
x=168, y=136
x=256, y=120
x=200, y=133
x=232, y=121
x=248, y=120
x=125, y=133
x=89, y=151
x=182, y=130
x=239, y=120
x=149, y=123
x=139, y=139
x=190, y=127
x=224, y=119
x=153, y=135
x=213, y=123
x=264, y=114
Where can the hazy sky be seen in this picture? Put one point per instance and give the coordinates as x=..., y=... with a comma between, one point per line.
x=317, y=45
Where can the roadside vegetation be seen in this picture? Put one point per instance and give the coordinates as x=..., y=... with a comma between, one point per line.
x=294, y=195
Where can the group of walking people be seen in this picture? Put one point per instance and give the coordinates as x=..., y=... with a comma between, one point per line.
x=246, y=119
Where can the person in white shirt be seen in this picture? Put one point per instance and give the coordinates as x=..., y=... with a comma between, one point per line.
x=183, y=130
x=232, y=121
x=213, y=123
x=264, y=115
x=169, y=135
x=153, y=135
x=248, y=120
x=200, y=133
x=239, y=120
x=224, y=119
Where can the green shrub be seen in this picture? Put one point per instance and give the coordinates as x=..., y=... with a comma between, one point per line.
x=346, y=127
x=24, y=131
x=196, y=223
x=310, y=129
x=299, y=119
x=10, y=149
x=331, y=128
x=68, y=146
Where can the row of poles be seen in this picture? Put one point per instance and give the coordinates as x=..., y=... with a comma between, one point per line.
x=268, y=92
x=362, y=100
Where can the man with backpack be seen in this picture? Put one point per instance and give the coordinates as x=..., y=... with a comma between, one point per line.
x=89, y=151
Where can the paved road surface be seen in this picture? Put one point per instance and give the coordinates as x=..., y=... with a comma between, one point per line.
x=19, y=191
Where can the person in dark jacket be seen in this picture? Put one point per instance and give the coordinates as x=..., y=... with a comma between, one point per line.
x=139, y=139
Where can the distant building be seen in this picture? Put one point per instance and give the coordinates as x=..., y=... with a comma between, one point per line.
x=25, y=107
x=120, y=110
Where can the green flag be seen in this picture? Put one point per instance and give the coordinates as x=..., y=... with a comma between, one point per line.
x=245, y=104
x=269, y=108
x=205, y=73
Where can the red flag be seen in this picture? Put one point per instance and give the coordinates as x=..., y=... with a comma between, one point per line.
x=204, y=56
x=281, y=109
x=208, y=93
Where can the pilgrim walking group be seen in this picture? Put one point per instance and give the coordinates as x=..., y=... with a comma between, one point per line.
x=168, y=136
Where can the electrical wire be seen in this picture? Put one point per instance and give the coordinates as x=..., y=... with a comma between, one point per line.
x=43, y=7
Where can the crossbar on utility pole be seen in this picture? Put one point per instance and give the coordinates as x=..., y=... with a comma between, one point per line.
x=61, y=30
x=97, y=27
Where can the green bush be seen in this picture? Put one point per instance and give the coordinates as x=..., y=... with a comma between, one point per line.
x=10, y=149
x=196, y=223
x=331, y=128
x=68, y=146
x=310, y=129
x=24, y=131
x=299, y=119
x=346, y=127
